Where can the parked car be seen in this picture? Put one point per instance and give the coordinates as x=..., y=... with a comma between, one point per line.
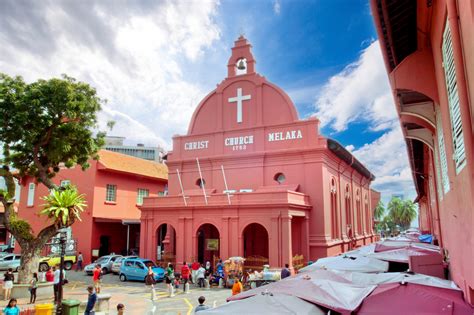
x=47, y=262
x=137, y=269
x=10, y=261
x=118, y=263
x=105, y=263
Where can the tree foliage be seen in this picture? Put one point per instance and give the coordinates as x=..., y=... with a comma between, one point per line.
x=401, y=212
x=379, y=211
x=44, y=125
x=64, y=205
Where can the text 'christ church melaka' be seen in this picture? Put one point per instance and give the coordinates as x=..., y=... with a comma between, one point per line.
x=250, y=179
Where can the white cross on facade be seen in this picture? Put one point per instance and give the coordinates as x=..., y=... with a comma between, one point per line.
x=239, y=98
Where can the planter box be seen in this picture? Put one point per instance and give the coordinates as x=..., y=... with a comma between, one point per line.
x=45, y=289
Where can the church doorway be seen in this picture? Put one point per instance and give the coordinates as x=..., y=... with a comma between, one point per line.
x=208, y=243
x=255, y=238
x=166, y=244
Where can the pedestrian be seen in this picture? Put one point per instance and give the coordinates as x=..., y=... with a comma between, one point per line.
x=57, y=273
x=96, y=276
x=80, y=259
x=120, y=309
x=49, y=275
x=8, y=279
x=90, y=301
x=285, y=272
x=194, y=269
x=11, y=308
x=185, y=276
x=170, y=279
x=33, y=287
x=151, y=281
x=237, y=287
x=201, y=273
x=201, y=306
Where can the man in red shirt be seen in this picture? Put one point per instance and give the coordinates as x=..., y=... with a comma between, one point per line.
x=96, y=277
x=185, y=275
x=195, y=266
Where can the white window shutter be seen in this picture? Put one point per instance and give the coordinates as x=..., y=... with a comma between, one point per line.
x=31, y=195
x=459, y=154
x=443, y=163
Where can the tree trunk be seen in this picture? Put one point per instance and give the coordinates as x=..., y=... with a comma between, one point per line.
x=30, y=256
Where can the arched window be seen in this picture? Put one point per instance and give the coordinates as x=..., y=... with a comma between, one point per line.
x=359, y=213
x=348, y=206
x=368, y=217
x=334, y=211
x=280, y=178
x=200, y=183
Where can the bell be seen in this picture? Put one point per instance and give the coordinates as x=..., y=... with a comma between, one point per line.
x=241, y=65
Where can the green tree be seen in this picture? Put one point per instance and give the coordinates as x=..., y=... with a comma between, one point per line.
x=43, y=125
x=379, y=211
x=401, y=212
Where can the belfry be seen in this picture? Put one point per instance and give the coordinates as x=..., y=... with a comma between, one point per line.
x=251, y=179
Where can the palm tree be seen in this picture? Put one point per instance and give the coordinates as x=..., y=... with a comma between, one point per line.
x=379, y=211
x=401, y=212
x=64, y=206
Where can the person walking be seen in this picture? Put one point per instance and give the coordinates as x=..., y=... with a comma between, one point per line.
x=285, y=272
x=201, y=306
x=90, y=301
x=96, y=276
x=33, y=287
x=201, y=273
x=8, y=279
x=237, y=287
x=11, y=308
x=185, y=276
x=80, y=259
x=151, y=281
x=170, y=279
x=194, y=269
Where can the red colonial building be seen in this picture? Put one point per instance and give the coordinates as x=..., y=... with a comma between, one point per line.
x=252, y=179
x=428, y=49
x=114, y=186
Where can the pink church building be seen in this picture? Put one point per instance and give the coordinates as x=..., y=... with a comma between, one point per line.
x=252, y=179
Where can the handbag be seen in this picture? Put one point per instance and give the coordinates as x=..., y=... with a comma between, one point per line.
x=65, y=281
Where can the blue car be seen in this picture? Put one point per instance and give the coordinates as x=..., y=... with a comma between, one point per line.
x=137, y=269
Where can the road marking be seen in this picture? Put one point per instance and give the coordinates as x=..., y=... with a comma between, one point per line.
x=190, y=309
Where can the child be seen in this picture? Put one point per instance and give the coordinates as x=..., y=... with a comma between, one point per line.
x=176, y=282
x=11, y=308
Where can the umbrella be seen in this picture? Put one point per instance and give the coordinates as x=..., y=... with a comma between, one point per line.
x=267, y=304
x=321, y=287
x=349, y=263
x=408, y=299
x=401, y=255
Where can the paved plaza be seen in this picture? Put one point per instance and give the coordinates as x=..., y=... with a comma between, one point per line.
x=136, y=296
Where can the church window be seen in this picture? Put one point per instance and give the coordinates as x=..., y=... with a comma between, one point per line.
x=65, y=183
x=359, y=212
x=442, y=162
x=241, y=66
x=201, y=182
x=142, y=193
x=349, y=225
x=280, y=178
x=334, y=211
x=31, y=195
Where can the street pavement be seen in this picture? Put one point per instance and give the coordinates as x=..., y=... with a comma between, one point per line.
x=136, y=296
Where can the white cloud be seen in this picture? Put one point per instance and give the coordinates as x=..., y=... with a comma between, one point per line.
x=135, y=55
x=276, y=7
x=360, y=92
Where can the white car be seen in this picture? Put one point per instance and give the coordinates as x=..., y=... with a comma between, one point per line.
x=10, y=261
x=118, y=263
x=105, y=263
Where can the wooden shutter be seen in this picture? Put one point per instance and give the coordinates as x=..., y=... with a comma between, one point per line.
x=459, y=153
x=443, y=163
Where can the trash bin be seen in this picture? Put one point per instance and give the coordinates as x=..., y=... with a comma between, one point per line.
x=44, y=309
x=71, y=307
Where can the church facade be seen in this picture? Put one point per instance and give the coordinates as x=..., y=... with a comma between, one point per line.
x=251, y=179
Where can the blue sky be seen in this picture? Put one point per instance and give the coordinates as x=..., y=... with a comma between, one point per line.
x=155, y=60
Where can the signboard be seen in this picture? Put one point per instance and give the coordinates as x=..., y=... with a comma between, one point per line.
x=212, y=244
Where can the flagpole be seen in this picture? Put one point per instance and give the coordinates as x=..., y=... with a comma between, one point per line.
x=202, y=181
x=225, y=183
x=182, y=190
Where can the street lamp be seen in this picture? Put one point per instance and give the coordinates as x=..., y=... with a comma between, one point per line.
x=62, y=244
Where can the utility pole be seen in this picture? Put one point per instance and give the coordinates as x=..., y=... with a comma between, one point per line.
x=62, y=244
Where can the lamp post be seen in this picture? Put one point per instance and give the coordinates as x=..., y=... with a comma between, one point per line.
x=62, y=244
